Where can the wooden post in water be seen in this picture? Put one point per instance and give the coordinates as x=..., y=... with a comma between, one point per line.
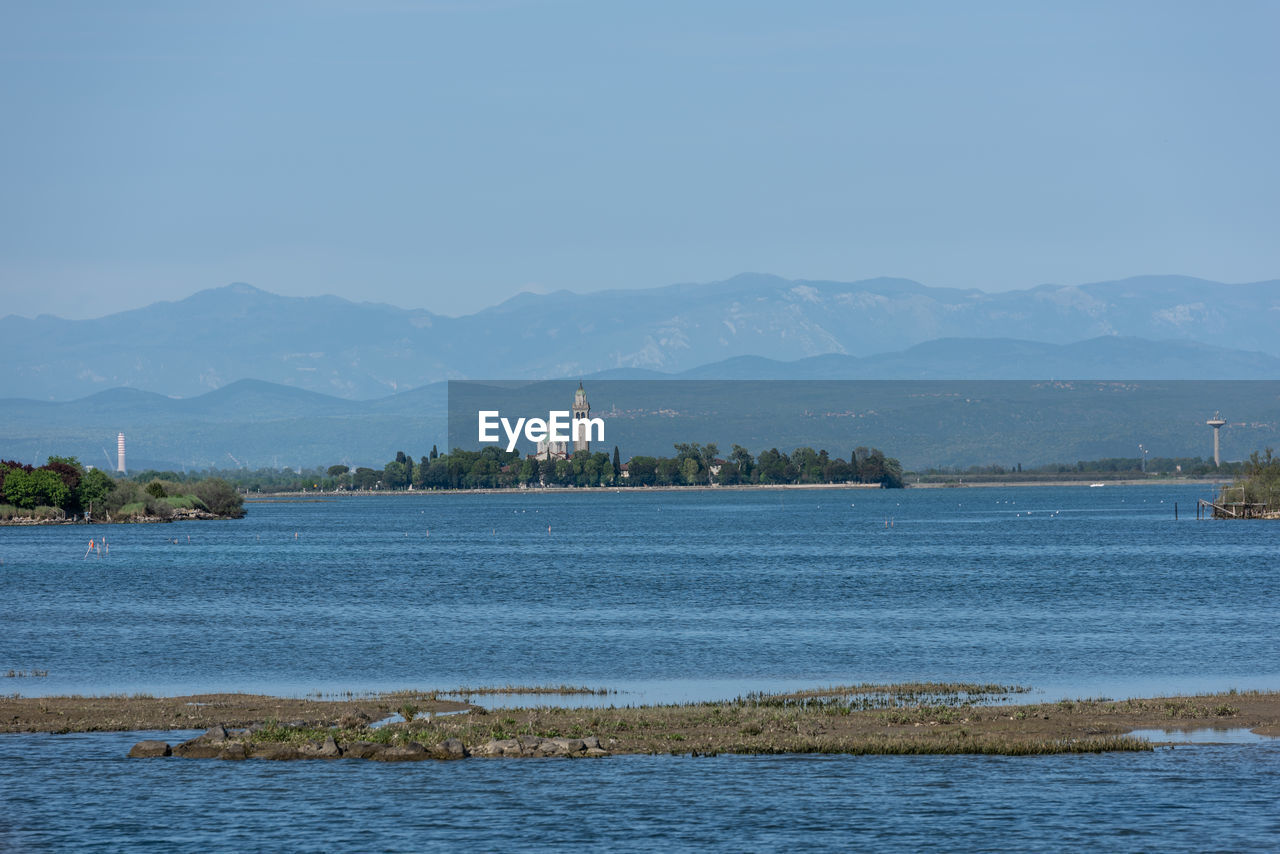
x=1175, y=511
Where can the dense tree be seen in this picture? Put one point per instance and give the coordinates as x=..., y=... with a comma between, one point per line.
x=394, y=475
x=839, y=471
x=668, y=471
x=808, y=465
x=875, y=467
x=643, y=471
x=730, y=474
x=771, y=467
x=39, y=488
x=68, y=468
x=94, y=488
x=703, y=458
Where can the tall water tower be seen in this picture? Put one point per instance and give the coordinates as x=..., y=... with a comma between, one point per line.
x=1216, y=423
x=120, y=453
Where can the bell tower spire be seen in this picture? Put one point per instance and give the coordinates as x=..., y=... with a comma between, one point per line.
x=581, y=412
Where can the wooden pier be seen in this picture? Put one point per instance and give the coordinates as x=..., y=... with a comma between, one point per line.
x=1236, y=510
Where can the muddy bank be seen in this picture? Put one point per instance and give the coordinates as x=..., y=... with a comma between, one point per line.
x=915, y=719
x=199, y=711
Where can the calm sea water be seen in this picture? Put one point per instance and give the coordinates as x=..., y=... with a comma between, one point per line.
x=78, y=792
x=1074, y=591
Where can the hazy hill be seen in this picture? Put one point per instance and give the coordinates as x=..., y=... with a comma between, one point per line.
x=364, y=350
x=248, y=422
x=1105, y=358
x=922, y=422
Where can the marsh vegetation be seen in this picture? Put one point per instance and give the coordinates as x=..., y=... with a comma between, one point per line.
x=915, y=718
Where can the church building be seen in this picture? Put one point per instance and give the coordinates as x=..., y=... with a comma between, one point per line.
x=548, y=450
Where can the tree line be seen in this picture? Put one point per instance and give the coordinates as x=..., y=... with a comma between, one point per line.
x=1090, y=469
x=693, y=464
x=63, y=488
x=489, y=468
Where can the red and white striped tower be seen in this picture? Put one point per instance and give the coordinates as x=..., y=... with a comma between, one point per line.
x=120, y=453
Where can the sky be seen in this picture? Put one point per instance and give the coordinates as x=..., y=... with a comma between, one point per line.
x=449, y=155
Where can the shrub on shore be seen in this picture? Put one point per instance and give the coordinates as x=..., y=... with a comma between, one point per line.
x=124, y=494
x=1260, y=484
x=185, y=502
x=220, y=497
x=133, y=508
x=40, y=513
x=63, y=488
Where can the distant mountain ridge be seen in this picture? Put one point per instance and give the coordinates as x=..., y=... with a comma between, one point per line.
x=923, y=422
x=1111, y=357
x=248, y=422
x=366, y=350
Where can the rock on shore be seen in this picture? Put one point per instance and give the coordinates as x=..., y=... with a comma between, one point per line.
x=218, y=743
x=147, y=749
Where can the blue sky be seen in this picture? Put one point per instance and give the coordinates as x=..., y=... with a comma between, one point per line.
x=448, y=155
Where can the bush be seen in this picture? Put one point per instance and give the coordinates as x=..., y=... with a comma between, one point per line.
x=135, y=508
x=8, y=511
x=186, y=502
x=220, y=497
x=1261, y=483
x=124, y=494
x=159, y=507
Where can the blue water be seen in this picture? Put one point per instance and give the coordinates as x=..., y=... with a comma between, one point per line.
x=662, y=596
x=1074, y=591
x=78, y=792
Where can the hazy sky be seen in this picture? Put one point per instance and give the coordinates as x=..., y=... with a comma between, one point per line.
x=447, y=155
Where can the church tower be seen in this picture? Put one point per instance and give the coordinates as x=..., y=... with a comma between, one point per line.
x=581, y=412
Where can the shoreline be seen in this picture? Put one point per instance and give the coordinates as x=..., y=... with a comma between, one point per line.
x=908, y=719
x=318, y=496
x=179, y=516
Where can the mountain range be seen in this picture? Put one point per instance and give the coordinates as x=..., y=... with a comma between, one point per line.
x=256, y=424
x=238, y=376
x=750, y=325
